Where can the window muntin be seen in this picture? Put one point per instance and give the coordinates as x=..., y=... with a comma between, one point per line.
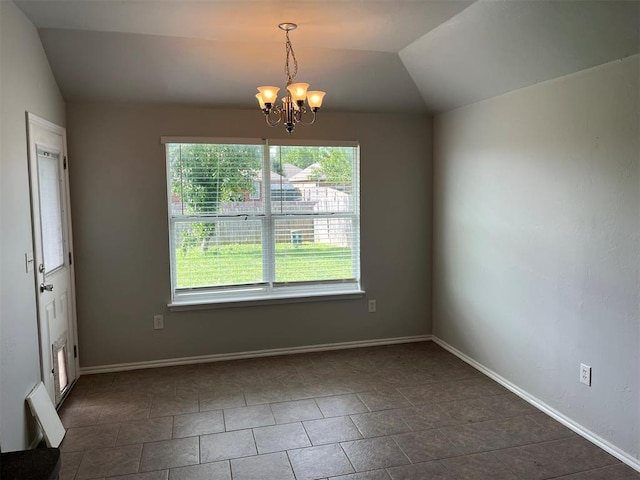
x=254, y=221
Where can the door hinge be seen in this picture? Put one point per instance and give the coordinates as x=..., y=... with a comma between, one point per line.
x=75, y=351
x=70, y=259
x=64, y=162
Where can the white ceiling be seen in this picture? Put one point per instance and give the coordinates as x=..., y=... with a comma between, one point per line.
x=369, y=55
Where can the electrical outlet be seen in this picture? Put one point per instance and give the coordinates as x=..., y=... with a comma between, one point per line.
x=158, y=322
x=372, y=306
x=585, y=374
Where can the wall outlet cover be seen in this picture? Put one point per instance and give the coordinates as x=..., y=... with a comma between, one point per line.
x=158, y=322
x=372, y=306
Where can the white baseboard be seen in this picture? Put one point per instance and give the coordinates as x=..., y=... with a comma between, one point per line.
x=540, y=405
x=251, y=354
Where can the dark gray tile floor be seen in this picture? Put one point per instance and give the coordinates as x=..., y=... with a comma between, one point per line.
x=401, y=412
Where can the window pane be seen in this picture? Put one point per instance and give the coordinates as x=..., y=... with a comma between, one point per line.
x=225, y=252
x=50, y=210
x=314, y=249
x=215, y=179
x=313, y=179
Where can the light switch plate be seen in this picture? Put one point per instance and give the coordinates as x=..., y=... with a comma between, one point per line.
x=28, y=262
x=585, y=374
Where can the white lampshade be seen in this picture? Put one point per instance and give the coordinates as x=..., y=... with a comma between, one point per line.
x=260, y=101
x=298, y=91
x=269, y=94
x=315, y=98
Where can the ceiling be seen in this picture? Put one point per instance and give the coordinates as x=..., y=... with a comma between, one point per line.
x=369, y=55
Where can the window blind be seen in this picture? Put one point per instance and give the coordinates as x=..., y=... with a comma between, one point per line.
x=272, y=217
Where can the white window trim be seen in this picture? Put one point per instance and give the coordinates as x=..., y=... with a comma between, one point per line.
x=252, y=298
x=264, y=294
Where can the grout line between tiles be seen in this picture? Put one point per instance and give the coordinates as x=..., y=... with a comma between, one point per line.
x=403, y=452
x=347, y=456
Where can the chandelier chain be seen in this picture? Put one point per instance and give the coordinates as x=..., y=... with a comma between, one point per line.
x=290, y=55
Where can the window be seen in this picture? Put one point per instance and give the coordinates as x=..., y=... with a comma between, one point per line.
x=256, y=220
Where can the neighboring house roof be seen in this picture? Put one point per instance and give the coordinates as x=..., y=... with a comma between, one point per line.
x=275, y=177
x=289, y=170
x=308, y=174
x=278, y=182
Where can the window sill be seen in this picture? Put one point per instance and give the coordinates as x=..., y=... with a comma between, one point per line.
x=254, y=301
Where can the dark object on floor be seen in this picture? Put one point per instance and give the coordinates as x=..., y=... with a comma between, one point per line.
x=38, y=464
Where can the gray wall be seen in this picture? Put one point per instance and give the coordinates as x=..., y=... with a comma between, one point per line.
x=118, y=192
x=26, y=84
x=536, y=242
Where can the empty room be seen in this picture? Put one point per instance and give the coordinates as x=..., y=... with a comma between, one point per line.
x=424, y=263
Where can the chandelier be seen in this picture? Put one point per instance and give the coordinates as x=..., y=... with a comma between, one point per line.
x=293, y=108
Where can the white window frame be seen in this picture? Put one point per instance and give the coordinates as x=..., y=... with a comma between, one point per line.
x=267, y=292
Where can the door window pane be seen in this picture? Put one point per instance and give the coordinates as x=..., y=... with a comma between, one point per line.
x=50, y=210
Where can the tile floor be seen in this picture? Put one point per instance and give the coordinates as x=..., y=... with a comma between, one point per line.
x=402, y=412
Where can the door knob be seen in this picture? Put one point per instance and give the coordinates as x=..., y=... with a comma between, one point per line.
x=48, y=288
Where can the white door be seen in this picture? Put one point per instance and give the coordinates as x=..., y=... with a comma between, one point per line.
x=52, y=251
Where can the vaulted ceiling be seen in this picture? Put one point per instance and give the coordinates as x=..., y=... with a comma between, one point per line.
x=369, y=55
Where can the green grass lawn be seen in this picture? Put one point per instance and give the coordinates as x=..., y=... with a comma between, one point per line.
x=236, y=264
